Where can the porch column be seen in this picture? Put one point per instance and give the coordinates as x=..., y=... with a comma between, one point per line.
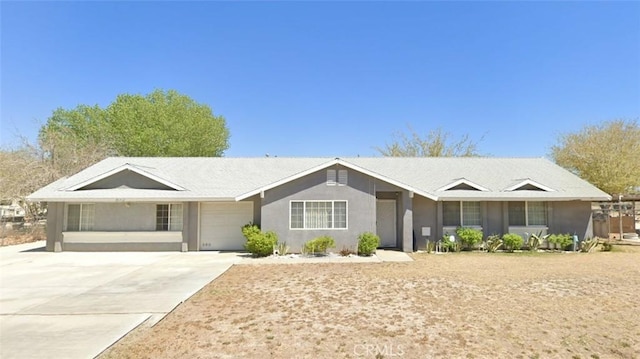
x=505, y=217
x=186, y=221
x=55, y=223
x=407, y=222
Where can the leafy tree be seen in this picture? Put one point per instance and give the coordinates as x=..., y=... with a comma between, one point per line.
x=606, y=155
x=158, y=124
x=165, y=124
x=436, y=144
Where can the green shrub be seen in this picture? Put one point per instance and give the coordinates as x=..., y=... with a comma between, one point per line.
x=607, y=246
x=512, y=241
x=260, y=244
x=447, y=245
x=367, y=243
x=493, y=243
x=469, y=237
x=561, y=241
x=319, y=245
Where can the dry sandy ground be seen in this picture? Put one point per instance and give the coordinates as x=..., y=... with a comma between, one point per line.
x=466, y=305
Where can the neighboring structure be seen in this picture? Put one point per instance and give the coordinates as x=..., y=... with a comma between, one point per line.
x=10, y=211
x=201, y=203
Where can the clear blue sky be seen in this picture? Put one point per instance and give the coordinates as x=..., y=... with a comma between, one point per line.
x=333, y=78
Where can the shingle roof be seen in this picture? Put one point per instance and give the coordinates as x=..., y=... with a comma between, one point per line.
x=222, y=178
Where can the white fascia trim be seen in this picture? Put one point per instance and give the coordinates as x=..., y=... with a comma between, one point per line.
x=336, y=161
x=531, y=183
x=132, y=200
x=125, y=167
x=520, y=199
x=462, y=181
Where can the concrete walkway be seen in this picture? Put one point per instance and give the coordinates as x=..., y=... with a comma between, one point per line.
x=387, y=255
x=75, y=305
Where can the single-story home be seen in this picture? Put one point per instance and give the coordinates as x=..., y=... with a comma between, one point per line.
x=194, y=204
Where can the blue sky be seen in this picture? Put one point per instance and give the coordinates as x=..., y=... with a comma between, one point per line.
x=333, y=78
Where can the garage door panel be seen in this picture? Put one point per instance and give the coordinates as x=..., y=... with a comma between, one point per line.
x=221, y=223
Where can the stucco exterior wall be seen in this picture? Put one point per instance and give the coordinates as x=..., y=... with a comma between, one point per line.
x=571, y=217
x=359, y=194
x=424, y=215
x=493, y=218
x=125, y=217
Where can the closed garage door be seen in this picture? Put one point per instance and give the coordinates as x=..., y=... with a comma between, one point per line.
x=221, y=223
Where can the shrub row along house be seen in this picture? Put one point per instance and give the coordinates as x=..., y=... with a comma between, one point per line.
x=193, y=204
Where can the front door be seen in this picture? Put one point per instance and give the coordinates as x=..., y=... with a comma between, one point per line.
x=386, y=222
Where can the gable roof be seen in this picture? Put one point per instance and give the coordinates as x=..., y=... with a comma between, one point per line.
x=234, y=179
x=126, y=167
x=462, y=183
x=529, y=184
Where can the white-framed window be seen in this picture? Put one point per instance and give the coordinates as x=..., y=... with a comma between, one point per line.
x=318, y=215
x=527, y=213
x=461, y=214
x=339, y=177
x=80, y=217
x=169, y=217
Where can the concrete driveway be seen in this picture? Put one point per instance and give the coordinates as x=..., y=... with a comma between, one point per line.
x=75, y=305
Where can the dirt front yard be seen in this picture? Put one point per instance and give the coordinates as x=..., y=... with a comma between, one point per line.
x=466, y=305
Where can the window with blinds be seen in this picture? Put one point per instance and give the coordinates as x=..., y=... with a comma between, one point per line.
x=318, y=215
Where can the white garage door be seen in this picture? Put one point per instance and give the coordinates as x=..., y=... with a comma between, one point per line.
x=221, y=223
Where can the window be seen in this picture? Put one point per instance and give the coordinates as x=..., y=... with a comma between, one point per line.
x=536, y=213
x=471, y=214
x=318, y=215
x=527, y=214
x=339, y=177
x=456, y=214
x=451, y=214
x=169, y=217
x=80, y=217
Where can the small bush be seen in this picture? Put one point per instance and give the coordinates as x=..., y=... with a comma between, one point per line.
x=469, y=237
x=430, y=247
x=493, y=243
x=367, y=243
x=281, y=249
x=345, y=252
x=512, y=241
x=588, y=245
x=534, y=240
x=447, y=245
x=561, y=241
x=607, y=246
x=319, y=245
x=260, y=244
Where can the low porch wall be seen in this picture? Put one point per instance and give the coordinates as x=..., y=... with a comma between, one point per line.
x=122, y=241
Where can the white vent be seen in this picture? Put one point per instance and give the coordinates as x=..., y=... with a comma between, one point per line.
x=342, y=177
x=331, y=177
